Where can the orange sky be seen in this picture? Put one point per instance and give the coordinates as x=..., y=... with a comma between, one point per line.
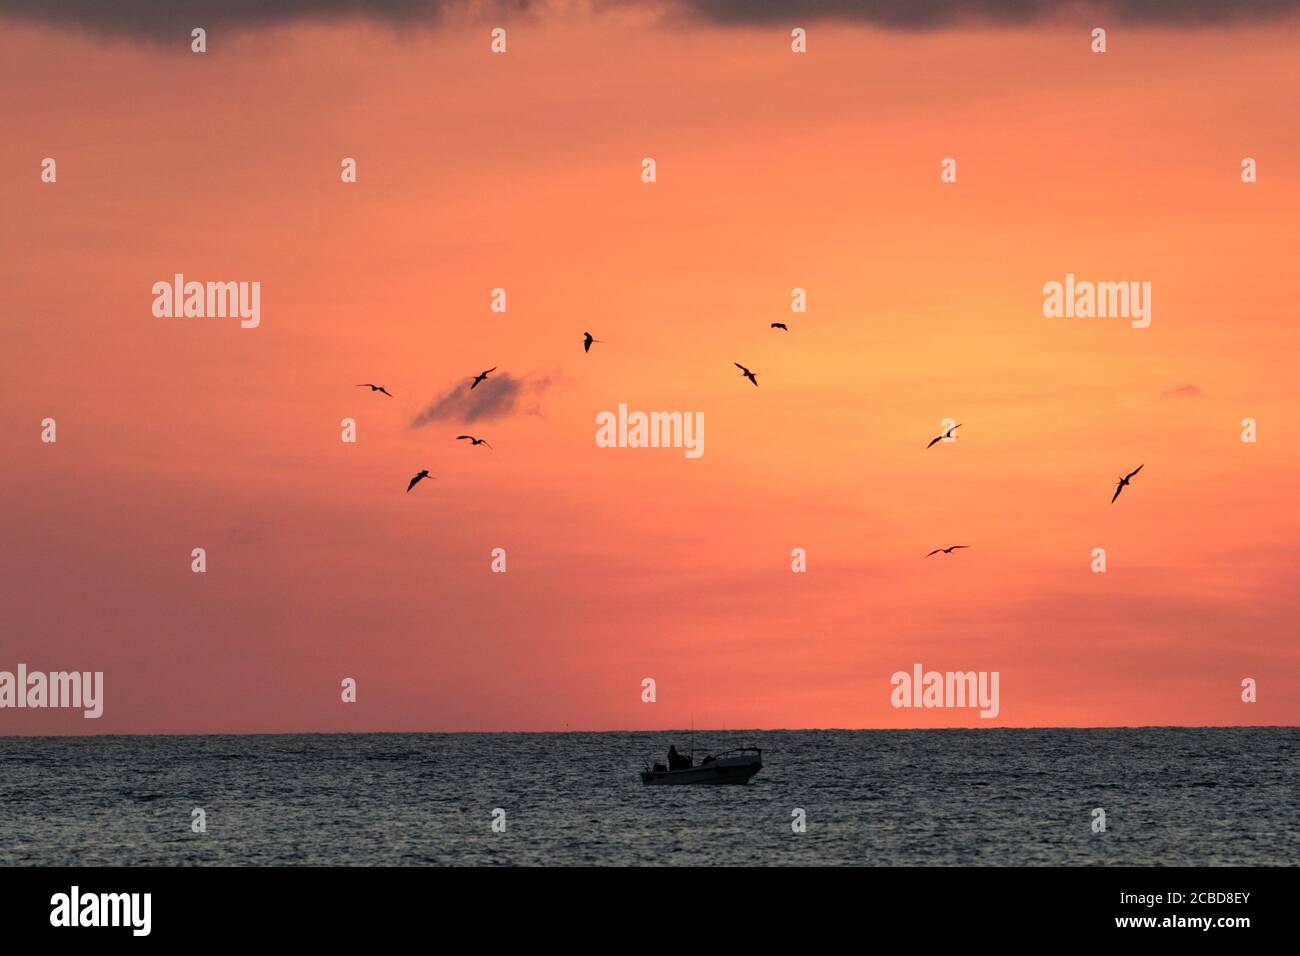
x=774, y=171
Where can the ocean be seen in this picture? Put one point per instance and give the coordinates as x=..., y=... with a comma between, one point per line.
x=1170, y=796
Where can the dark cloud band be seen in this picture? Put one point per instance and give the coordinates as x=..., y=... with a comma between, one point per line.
x=157, y=19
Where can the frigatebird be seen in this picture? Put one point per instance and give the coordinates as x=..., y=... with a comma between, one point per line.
x=587, y=340
x=746, y=373
x=946, y=434
x=423, y=474
x=1124, y=481
x=480, y=377
x=779, y=325
x=948, y=550
x=376, y=388
x=473, y=440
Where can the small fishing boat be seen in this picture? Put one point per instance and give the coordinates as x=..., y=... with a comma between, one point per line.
x=731, y=766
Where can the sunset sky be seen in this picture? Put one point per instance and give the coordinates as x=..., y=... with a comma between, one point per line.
x=522, y=170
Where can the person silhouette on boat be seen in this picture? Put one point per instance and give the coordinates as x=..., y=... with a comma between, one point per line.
x=676, y=761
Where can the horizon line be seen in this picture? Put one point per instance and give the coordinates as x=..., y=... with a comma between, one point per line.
x=682, y=730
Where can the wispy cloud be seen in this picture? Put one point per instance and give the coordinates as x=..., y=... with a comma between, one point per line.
x=170, y=19
x=928, y=14
x=1183, y=391
x=499, y=397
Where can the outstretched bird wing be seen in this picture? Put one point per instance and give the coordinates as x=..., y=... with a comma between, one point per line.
x=1134, y=471
x=935, y=551
x=413, y=481
x=741, y=367
x=1118, y=489
x=459, y=437
x=933, y=440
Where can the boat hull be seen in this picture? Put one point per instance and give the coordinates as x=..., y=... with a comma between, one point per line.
x=738, y=773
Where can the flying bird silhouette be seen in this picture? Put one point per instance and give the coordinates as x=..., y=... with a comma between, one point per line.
x=480, y=377
x=376, y=388
x=746, y=373
x=1124, y=481
x=587, y=340
x=473, y=440
x=948, y=550
x=779, y=325
x=944, y=435
x=422, y=474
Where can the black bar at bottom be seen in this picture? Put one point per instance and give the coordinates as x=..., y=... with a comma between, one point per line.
x=641, y=906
